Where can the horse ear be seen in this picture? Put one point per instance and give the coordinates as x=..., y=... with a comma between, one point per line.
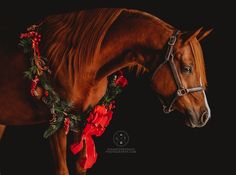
x=203, y=34
x=186, y=37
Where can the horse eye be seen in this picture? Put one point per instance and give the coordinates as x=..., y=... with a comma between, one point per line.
x=187, y=69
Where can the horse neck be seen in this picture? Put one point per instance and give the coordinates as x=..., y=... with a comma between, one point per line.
x=134, y=39
x=122, y=46
x=16, y=104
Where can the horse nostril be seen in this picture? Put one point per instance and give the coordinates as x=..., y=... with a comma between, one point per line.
x=204, y=118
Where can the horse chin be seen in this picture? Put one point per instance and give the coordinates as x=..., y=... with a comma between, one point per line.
x=190, y=123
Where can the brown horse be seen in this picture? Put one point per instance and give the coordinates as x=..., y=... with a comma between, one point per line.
x=85, y=47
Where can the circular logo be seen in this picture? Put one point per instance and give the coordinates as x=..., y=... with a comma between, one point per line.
x=121, y=138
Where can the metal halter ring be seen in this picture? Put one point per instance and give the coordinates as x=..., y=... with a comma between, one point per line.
x=181, y=92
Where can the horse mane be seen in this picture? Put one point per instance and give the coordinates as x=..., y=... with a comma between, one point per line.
x=148, y=15
x=199, y=60
x=75, y=38
x=139, y=69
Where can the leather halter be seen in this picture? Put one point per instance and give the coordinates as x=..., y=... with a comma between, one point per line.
x=181, y=90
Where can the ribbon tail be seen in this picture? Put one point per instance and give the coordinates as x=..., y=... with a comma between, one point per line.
x=76, y=147
x=90, y=154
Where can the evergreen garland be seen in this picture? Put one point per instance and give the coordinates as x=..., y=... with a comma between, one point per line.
x=60, y=109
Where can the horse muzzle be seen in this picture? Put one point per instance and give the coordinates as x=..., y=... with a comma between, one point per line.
x=196, y=120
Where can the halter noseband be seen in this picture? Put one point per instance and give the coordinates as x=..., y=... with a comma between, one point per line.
x=181, y=90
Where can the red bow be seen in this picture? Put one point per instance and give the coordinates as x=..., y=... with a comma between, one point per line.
x=98, y=120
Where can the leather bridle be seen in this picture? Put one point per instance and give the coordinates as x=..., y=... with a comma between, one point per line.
x=181, y=90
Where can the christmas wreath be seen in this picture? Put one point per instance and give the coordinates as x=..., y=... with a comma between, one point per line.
x=92, y=121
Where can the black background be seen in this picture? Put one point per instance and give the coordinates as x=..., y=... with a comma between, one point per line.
x=162, y=142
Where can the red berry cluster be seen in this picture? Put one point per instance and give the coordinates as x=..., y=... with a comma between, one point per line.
x=46, y=93
x=35, y=37
x=112, y=105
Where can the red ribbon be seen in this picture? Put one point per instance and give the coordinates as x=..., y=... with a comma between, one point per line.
x=98, y=120
x=90, y=156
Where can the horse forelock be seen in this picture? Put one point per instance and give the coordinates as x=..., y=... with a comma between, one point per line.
x=199, y=61
x=73, y=40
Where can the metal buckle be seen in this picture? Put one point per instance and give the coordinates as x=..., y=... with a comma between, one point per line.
x=182, y=91
x=172, y=40
x=167, y=109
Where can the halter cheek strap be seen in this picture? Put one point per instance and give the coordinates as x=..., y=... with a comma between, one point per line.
x=181, y=90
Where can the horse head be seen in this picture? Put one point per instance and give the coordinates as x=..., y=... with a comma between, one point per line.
x=180, y=80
